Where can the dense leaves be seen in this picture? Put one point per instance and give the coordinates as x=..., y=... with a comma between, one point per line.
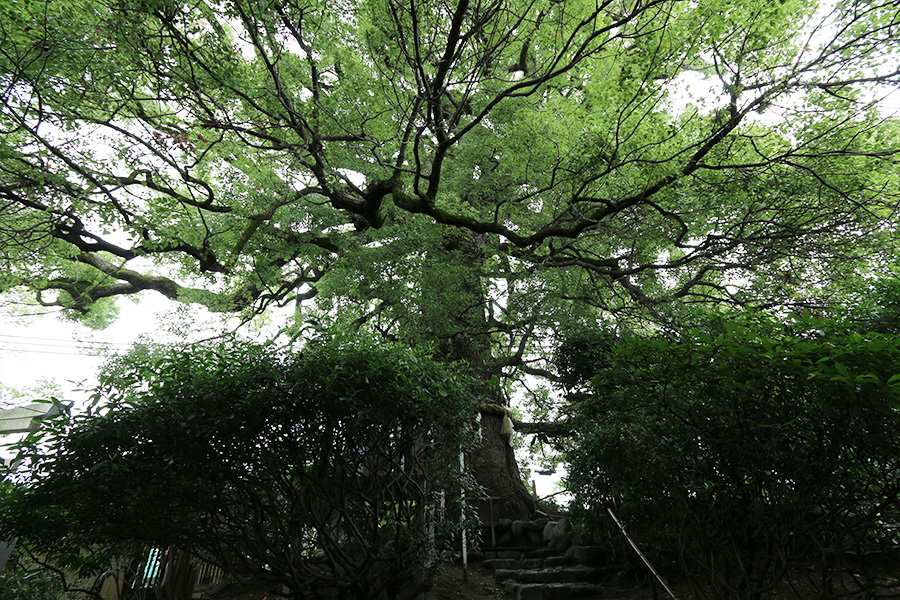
x=316, y=471
x=749, y=455
x=538, y=159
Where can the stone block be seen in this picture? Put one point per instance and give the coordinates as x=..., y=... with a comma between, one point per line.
x=518, y=528
x=501, y=563
x=587, y=555
x=557, y=561
x=550, y=530
x=504, y=575
x=536, y=524
x=569, y=591
x=521, y=591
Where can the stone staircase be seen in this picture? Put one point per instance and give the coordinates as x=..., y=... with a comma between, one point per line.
x=540, y=562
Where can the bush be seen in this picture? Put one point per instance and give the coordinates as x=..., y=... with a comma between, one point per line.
x=744, y=455
x=313, y=471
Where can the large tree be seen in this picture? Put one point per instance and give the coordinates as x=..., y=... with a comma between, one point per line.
x=470, y=174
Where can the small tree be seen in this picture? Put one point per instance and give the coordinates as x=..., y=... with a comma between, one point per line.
x=743, y=454
x=312, y=471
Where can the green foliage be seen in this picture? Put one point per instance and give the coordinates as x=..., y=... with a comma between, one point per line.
x=748, y=452
x=61, y=576
x=315, y=469
x=249, y=154
x=16, y=587
x=465, y=176
x=580, y=356
x=43, y=387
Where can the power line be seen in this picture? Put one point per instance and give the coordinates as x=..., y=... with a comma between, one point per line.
x=26, y=337
x=54, y=352
x=16, y=344
x=57, y=346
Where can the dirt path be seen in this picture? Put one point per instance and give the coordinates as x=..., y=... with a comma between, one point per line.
x=478, y=585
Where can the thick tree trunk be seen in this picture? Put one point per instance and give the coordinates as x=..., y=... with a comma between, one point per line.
x=454, y=312
x=496, y=470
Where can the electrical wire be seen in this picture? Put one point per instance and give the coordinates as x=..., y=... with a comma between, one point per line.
x=10, y=343
x=53, y=352
x=15, y=338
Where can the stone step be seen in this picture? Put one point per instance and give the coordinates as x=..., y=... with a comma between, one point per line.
x=576, y=574
x=540, y=559
x=552, y=591
x=493, y=564
x=542, y=552
x=558, y=561
x=534, y=558
x=535, y=563
x=515, y=552
x=563, y=560
x=587, y=555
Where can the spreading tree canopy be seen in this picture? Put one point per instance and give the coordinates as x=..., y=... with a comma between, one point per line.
x=406, y=159
x=472, y=174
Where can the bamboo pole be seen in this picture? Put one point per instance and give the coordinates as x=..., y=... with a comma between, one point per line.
x=641, y=554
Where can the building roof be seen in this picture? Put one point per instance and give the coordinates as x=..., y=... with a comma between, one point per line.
x=22, y=419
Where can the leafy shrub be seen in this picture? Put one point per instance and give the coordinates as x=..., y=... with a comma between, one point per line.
x=13, y=587
x=315, y=471
x=743, y=455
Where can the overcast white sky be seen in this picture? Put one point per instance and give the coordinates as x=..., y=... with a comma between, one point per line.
x=47, y=346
